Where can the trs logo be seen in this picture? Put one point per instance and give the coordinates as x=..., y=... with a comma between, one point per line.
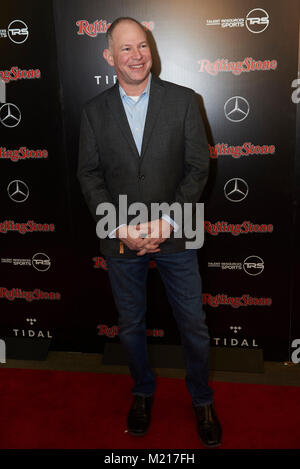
x=2, y=351
x=257, y=20
x=296, y=353
x=296, y=92
x=18, y=31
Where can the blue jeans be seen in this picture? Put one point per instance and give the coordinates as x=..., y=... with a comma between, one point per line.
x=181, y=278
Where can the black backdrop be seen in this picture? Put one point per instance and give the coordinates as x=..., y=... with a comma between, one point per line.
x=250, y=256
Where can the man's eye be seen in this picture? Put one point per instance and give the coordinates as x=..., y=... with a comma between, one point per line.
x=126, y=49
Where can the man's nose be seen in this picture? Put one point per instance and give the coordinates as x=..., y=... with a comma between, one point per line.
x=136, y=54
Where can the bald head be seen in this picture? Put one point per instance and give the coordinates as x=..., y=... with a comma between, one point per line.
x=118, y=21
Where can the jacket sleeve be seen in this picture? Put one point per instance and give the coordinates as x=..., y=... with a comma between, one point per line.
x=196, y=157
x=90, y=173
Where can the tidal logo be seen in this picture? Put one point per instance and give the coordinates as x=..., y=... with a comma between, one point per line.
x=30, y=333
x=234, y=341
x=106, y=79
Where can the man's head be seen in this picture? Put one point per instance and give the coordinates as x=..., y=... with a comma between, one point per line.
x=129, y=53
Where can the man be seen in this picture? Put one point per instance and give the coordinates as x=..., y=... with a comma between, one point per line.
x=144, y=138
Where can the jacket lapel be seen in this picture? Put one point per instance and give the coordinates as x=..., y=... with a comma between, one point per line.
x=119, y=114
x=154, y=105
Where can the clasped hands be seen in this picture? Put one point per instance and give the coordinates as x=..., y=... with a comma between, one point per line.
x=145, y=237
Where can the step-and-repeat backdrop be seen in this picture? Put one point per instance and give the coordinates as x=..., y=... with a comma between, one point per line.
x=241, y=58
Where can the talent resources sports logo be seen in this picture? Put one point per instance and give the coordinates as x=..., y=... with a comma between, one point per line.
x=22, y=153
x=17, y=31
x=236, y=229
x=236, y=68
x=220, y=299
x=256, y=21
x=40, y=261
x=101, y=27
x=236, y=151
x=253, y=265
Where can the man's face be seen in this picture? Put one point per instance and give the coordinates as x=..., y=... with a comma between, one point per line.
x=129, y=54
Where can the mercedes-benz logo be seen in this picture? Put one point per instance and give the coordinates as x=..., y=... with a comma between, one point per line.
x=253, y=265
x=257, y=20
x=18, y=31
x=18, y=191
x=236, y=190
x=236, y=109
x=41, y=261
x=10, y=115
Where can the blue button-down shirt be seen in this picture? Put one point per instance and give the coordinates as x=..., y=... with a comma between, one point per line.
x=136, y=110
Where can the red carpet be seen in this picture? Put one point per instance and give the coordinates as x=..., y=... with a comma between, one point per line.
x=56, y=409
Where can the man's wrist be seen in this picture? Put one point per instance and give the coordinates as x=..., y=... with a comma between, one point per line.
x=117, y=232
x=171, y=222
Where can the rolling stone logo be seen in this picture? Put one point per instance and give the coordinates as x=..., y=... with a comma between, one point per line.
x=236, y=68
x=22, y=153
x=252, y=265
x=28, y=295
x=15, y=73
x=101, y=27
x=256, y=21
x=100, y=263
x=236, y=151
x=236, y=229
x=221, y=299
x=27, y=227
x=113, y=331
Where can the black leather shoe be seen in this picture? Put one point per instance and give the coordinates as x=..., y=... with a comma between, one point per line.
x=139, y=416
x=209, y=427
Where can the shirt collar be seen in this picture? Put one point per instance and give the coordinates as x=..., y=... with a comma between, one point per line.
x=146, y=90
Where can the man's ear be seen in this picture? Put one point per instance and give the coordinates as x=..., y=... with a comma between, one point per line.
x=108, y=57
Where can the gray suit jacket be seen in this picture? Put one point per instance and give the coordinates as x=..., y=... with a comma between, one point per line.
x=173, y=166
